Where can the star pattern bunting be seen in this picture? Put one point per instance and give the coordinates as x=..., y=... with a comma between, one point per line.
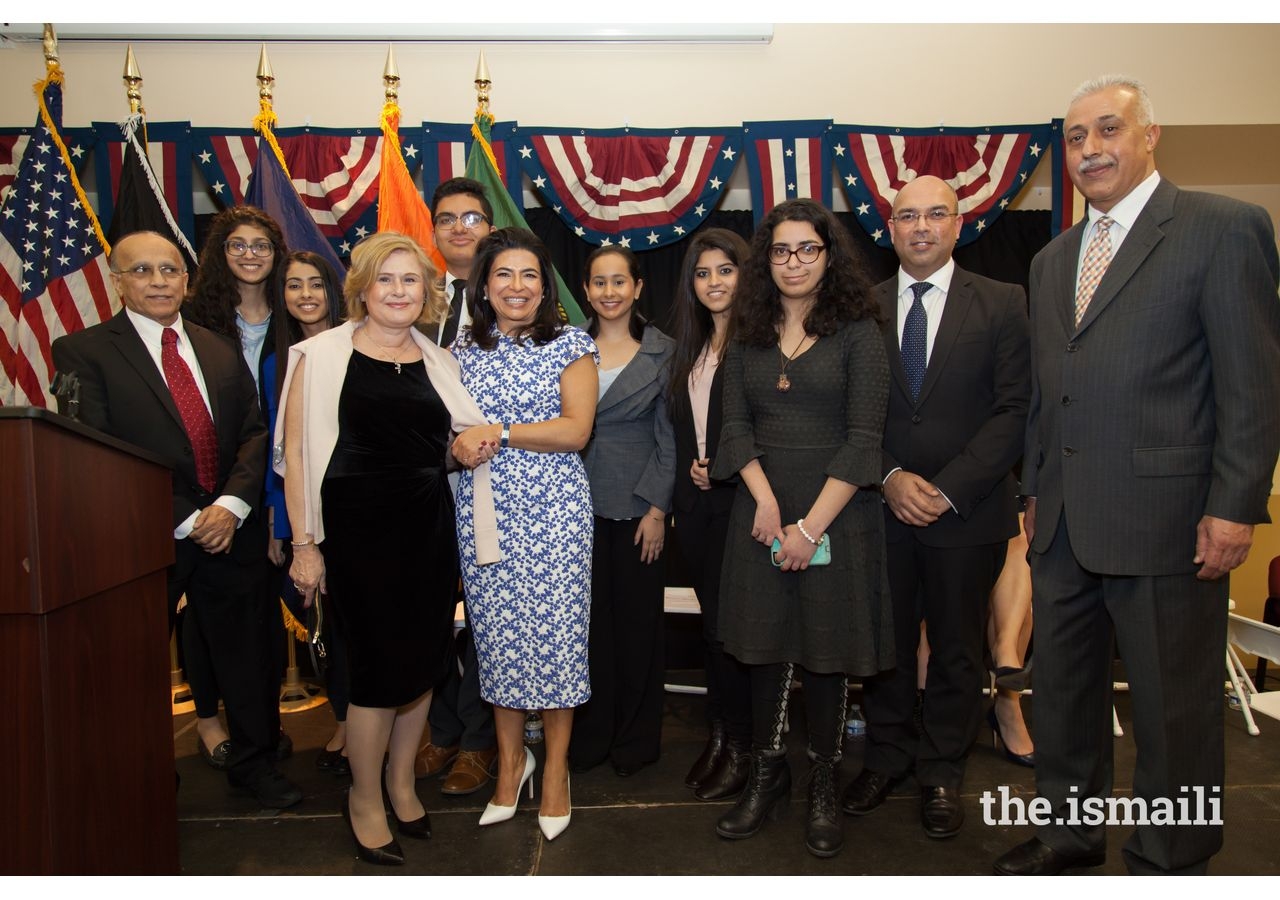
x=785, y=161
x=335, y=171
x=445, y=147
x=986, y=166
x=636, y=188
x=53, y=265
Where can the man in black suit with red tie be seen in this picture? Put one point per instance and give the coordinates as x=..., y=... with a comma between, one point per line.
x=184, y=393
x=958, y=353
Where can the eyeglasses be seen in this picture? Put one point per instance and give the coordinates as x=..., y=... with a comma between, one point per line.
x=257, y=248
x=780, y=254
x=145, y=272
x=932, y=216
x=470, y=219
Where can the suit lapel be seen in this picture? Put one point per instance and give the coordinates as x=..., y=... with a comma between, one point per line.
x=129, y=345
x=1062, y=271
x=1138, y=244
x=889, y=308
x=954, y=310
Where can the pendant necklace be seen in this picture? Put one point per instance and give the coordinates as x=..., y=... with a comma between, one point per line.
x=784, y=383
x=386, y=354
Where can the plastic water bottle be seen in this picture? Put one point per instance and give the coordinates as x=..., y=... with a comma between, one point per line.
x=855, y=727
x=533, y=728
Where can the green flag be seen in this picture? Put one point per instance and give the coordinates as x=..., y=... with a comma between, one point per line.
x=483, y=167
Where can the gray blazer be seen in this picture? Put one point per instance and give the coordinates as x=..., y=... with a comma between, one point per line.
x=631, y=459
x=1164, y=404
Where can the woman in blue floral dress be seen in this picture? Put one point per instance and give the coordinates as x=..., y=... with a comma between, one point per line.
x=535, y=381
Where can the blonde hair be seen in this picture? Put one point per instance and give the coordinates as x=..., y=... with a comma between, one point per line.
x=367, y=258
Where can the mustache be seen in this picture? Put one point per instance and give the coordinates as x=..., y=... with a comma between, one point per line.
x=1096, y=162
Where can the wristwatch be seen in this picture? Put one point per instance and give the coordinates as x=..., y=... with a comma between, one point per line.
x=506, y=436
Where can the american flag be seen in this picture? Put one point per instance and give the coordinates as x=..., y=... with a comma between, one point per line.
x=53, y=264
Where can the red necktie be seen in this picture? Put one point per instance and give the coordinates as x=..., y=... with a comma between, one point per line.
x=195, y=415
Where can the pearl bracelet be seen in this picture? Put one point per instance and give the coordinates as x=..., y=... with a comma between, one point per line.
x=807, y=536
x=306, y=543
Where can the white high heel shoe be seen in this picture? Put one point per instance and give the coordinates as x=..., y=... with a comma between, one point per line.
x=493, y=813
x=553, y=826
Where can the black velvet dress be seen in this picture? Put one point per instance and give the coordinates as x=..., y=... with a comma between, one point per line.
x=391, y=556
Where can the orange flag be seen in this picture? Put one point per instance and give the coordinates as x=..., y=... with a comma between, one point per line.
x=400, y=206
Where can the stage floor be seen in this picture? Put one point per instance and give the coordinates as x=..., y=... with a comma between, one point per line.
x=650, y=824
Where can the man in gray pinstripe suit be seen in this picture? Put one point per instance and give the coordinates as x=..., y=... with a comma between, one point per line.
x=1151, y=441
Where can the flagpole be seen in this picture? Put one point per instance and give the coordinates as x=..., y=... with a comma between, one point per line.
x=483, y=83
x=50, y=43
x=391, y=77
x=133, y=83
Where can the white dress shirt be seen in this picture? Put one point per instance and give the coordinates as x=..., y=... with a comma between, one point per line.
x=151, y=333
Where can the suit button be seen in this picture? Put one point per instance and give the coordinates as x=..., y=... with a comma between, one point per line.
x=1066, y=401
x=1072, y=347
x=1068, y=451
x=915, y=420
x=186, y=451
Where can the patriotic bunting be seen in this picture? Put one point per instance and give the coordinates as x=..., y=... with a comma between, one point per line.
x=445, y=150
x=986, y=166
x=787, y=160
x=639, y=188
x=335, y=171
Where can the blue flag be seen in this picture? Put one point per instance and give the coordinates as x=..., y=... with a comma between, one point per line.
x=271, y=191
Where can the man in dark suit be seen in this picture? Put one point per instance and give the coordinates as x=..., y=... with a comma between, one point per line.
x=958, y=355
x=1152, y=435
x=184, y=393
x=463, y=745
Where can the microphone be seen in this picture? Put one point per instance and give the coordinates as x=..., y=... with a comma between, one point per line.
x=66, y=387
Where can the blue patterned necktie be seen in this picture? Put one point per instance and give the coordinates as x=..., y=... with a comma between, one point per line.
x=915, y=337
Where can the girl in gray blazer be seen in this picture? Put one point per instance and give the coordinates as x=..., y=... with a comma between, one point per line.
x=631, y=466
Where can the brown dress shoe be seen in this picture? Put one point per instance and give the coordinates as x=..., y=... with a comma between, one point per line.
x=472, y=770
x=432, y=760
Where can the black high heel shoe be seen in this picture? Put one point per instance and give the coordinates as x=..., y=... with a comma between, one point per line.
x=1014, y=678
x=419, y=828
x=389, y=854
x=1020, y=759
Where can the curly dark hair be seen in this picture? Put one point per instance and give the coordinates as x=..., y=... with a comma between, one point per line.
x=844, y=294
x=288, y=331
x=548, y=325
x=690, y=321
x=215, y=295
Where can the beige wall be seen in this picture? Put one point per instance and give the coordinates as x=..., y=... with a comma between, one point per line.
x=911, y=75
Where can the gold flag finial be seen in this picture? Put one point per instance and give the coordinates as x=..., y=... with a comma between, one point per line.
x=391, y=77
x=132, y=82
x=482, y=85
x=50, y=43
x=265, y=76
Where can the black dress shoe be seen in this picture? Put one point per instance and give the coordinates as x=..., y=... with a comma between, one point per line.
x=333, y=761
x=217, y=757
x=940, y=811
x=389, y=854
x=865, y=792
x=284, y=746
x=271, y=789
x=1035, y=857
x=626, y=770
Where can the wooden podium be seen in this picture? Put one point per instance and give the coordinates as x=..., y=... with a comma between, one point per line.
x=86, y=745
